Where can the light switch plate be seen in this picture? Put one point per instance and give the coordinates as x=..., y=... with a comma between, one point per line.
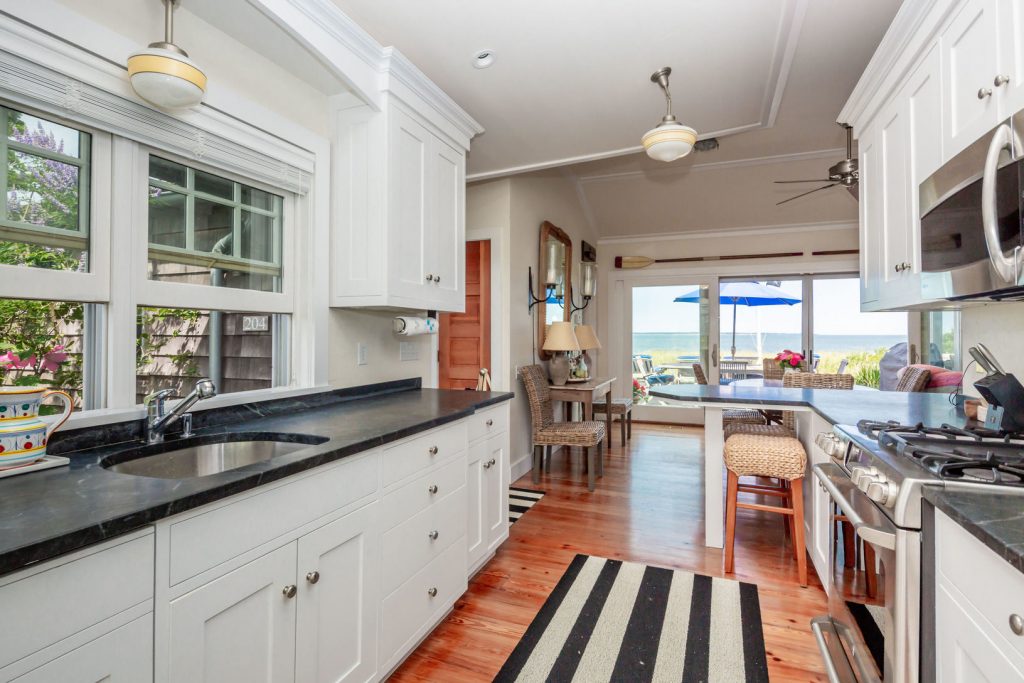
x=408, y=351
x=361, y=352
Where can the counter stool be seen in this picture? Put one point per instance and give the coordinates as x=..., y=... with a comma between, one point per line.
x=779, y=457
x=623, y=407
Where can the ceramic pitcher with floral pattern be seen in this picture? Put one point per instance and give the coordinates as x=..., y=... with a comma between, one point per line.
x=23, y=434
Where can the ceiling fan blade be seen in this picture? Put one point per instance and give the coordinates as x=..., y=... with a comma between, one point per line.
x=854, y=190
x=823, y=187
x=816, y=180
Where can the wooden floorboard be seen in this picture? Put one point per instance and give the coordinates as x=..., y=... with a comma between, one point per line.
x=649, y=508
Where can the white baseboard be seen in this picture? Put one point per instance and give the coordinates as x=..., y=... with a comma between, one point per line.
x=522, y=466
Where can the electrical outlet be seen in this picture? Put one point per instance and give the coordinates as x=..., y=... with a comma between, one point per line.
x=361, y=352
x=408, y=350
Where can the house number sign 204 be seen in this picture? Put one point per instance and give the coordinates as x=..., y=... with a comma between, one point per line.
x=255, y=323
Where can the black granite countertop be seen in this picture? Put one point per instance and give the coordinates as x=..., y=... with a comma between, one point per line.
x=996, y=519
x=47, y=513
x=836, y=406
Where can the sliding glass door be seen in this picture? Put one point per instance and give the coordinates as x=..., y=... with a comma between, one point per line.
x=759, y=318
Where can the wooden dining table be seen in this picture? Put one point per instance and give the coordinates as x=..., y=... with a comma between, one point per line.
x=586, y=394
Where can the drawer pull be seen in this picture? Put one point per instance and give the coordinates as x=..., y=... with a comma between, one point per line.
x=289, y=591
x=313, y=576
x=432, y=488
x=437, y=279
x=1001, y=80
x=490, y=423
x=430, y=278
x=1017, y=624
x=489, y=464
x=984, y=92
x=433, y=535
x=432, y=592
x=432, y=450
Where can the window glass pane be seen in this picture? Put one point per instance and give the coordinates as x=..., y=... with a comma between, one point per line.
x=211, y=184
x=259, y=199
x=31, y=130
x=940, y=339
x=213, y=227
x=174, y=349
x=166, y=217
x=670, y=335
x=41, y=220
x=168, y=171
x=42, y=342
x=257, y=237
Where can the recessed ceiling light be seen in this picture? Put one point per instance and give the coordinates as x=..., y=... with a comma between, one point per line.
x=483, y=59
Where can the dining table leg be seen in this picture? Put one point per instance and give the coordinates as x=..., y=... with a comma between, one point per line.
x=608, y=416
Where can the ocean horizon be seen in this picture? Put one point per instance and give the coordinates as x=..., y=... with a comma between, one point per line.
x=771, y=342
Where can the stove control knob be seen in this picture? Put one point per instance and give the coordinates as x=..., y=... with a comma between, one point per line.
x=859, y=474
x=882, y=492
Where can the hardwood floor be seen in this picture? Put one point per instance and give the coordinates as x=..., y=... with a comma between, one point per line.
x=647, y=508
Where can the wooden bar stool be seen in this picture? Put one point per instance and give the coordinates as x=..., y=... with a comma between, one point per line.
x=623, y=407
x=779, y=457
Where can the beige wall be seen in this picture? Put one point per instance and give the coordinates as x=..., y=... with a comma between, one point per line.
x=348, y=327
x=1001, y=328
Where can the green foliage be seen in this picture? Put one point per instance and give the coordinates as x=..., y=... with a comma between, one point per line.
x=156, y=326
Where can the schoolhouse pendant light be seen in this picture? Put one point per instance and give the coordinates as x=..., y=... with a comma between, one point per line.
x=669, y=140
x=163, y=75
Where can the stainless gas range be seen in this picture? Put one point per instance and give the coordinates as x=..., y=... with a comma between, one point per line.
x=875, y=480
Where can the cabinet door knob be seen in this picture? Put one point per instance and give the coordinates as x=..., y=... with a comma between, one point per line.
x=489, y=464
x=1001, y=80
x=490, y=423
x=432, y=488
x=313, y=576
x=432, y=591
x=433, y=535
x=984, y=92
x=430, y=278
x=1017, y=624
x=432, y=450
x=289, y=591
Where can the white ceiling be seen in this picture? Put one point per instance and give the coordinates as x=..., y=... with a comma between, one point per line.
x=571, y=79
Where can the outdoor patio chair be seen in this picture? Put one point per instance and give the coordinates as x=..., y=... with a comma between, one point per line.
x=842, y=365
x=651, y=373
x=914, y=379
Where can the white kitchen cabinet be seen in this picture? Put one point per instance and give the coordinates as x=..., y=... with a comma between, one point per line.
x=498, y=471
x=487, y=485
x=973, y=639
x=338, y=578
x=818, y=512
x=398, y=226
x=894, y=132
x=239, y=628
x=1011, y=56
x=125, y=655
x=870, y=213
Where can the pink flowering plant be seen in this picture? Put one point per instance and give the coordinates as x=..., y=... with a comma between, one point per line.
x=789, y=359
x=640, y=390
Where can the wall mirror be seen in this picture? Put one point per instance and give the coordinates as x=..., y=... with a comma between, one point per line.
x=555, y=274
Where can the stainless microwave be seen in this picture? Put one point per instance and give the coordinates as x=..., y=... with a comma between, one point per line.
x=972, y=241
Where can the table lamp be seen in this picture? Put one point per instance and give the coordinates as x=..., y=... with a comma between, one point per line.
x=588, y=340
x=560, y=339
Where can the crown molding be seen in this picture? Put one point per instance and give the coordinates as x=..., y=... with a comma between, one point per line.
x=716, y=165
x=747, y=231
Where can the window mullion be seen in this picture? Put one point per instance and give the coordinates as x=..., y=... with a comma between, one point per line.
x=84, y=187
x=236, y=222
x=3, y=162
x=190, y=209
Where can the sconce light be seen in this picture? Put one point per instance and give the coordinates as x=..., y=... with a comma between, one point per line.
x=549, y=290
x=588, y=285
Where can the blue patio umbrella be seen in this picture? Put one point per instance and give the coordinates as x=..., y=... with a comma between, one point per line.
x=744, y=294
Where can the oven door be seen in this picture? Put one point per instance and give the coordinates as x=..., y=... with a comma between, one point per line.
x=872, y=628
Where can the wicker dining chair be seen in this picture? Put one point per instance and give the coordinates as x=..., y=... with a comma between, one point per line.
x=772, y=370
x=802, y=380
x=914, y=379
x=730, y=417
x=548, y=433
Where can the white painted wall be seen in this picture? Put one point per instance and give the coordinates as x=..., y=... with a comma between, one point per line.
x=1001, y=328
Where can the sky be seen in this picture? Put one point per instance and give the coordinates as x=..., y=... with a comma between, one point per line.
x=836, y=311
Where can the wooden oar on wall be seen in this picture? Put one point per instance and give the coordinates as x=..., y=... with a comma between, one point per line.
x=644, y=261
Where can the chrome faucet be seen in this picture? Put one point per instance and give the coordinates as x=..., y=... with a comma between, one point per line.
x=157, y=421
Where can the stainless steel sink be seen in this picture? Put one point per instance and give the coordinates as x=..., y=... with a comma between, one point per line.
x=200, y=458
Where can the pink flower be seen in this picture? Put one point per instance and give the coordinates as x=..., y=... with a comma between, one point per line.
x=53, y=359
x=793, y=361
x=12, y=360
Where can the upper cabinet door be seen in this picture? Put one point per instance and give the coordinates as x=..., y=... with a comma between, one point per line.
x=870, y=207
x=339, y=574
x=923, y=94
x=1011, y=52
x=970, y=56
x=894, y=134
x=409, y=206
x=239, y=628
x=448, y=227
x=496, y=490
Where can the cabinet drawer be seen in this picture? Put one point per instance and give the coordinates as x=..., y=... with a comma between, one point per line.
x=406, y=611
x=419, y=453
x=962, y=559
x=49, y=605
x=416, y=496
x=488, y=422
x=205, y=540
x=409, y=546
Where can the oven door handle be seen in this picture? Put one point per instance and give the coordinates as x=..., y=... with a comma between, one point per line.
x=1006, y=268
x=837, y=666
x=867, y=521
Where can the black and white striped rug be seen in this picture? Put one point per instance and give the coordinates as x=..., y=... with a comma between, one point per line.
x=520, y=501
x=608, y=620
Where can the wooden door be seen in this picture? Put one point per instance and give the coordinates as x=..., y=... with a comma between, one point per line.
x=465, y=338
x=239, y=628
x=336, y=632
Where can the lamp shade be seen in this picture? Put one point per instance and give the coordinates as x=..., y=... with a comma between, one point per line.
x=560, y=337
x=669, y=141
x=166, y=78
x=586, y=337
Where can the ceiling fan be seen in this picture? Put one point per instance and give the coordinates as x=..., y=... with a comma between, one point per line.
x=844, y=173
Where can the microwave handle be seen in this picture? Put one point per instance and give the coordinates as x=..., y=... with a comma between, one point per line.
x=1005, y=267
